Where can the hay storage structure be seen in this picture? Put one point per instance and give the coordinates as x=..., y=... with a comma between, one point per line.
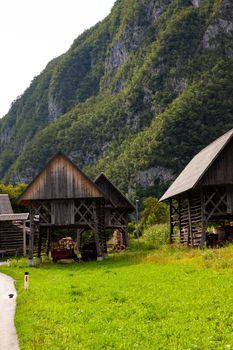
x=117, y=208
x=202, y=193
x=62, y=196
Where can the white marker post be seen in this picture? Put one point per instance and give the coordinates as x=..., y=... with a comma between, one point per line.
x=26, y=280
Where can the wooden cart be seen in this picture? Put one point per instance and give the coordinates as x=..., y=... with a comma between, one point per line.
x=64, y=249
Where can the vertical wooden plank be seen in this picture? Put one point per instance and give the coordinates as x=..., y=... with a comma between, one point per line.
x=47, y=244
x=97, y=231
x=203, y=220
x=24, y=239
x=190, y=237
x=31, y=238
x=179, y=213
x=39, y=245
x=171, y=224
x=79, y=239
x=229, y=190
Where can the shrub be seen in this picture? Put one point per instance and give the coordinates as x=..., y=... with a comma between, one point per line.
x=157, y=234
x=154, y=212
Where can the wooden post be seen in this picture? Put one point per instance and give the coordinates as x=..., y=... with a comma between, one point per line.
x=79, y=239
x=203, y=220
x=39, y=246
x=31, y=239
x=98, y=247
x=190, y=236
x=125, y=236
x=47, y=244
x=100, y=238
x=171, y=224
x=179, y=213
x=24, y=239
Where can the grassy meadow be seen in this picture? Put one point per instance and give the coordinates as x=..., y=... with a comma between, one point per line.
x=166, y=298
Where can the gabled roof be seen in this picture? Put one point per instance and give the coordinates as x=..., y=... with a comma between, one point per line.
x=5, y=204
x=6, y=211
x=197, y=167
x=113, y=193
x=60, y=179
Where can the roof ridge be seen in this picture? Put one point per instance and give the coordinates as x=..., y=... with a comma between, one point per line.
x=197, y=167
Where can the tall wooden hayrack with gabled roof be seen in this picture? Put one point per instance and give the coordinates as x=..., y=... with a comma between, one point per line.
x=63, y=196
x=203, y=192
x=117, y=208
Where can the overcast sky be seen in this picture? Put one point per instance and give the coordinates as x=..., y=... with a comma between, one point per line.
x=32, y=32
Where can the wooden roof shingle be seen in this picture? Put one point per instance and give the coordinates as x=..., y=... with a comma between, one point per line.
x=6, y=211
x=5, y=204
x=197, y=167
x=113, y=194
x=60, y=179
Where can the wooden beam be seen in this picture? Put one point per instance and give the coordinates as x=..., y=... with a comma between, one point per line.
x=190, y=224
x=171, y=224
x=39, y=246
x=203, y=220
x=24, y=239
x=47, y=243
x=31, y=238
x=79, y=239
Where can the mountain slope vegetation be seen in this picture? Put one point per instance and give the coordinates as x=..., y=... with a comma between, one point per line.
x=136, y=96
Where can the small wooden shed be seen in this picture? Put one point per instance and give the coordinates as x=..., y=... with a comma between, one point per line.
x=202, y=193
x=12, y=228
x=63, y=196
x=117, y=208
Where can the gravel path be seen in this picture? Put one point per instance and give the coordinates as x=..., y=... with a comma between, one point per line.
x=8, y=336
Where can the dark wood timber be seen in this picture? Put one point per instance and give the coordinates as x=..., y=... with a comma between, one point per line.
x=202, y=193
x=47, y=243
x=62, y=196
x=117, y=209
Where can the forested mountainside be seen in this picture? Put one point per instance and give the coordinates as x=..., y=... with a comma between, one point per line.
x=136, y=96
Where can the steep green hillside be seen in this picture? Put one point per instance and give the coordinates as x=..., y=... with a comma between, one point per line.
x=136, y=96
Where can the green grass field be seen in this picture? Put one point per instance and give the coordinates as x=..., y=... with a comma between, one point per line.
x=164, y=299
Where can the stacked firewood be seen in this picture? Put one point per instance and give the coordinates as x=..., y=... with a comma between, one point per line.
x=117, y=241
x=66, y=243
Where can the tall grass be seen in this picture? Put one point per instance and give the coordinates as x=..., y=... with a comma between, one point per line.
x=165, y=298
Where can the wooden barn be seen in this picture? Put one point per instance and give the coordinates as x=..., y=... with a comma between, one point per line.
x=12, y=229
x=62, y=196
x=203, y=194
x=117, y=208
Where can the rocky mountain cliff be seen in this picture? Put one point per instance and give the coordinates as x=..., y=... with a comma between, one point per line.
x=136, y=96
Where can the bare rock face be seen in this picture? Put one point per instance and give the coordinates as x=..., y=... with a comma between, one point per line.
x=221, y=29
x=54, y=109
x=155, y=9
x=120, y=84
x=196, y=3
x=5, y=136
x=129, y=40
x=134, y=34
x=149, y=177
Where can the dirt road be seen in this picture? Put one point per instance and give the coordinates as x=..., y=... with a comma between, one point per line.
x=8, y=336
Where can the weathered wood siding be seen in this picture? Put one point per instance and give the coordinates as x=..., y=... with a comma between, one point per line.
x=230, y=200
x=112, y=193
x=5, y=204
x=61, y=179
x=62, y=212
x=221, y=171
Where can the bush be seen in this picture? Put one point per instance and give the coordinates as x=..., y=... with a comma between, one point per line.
x=154, y=212
x=157, y=234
